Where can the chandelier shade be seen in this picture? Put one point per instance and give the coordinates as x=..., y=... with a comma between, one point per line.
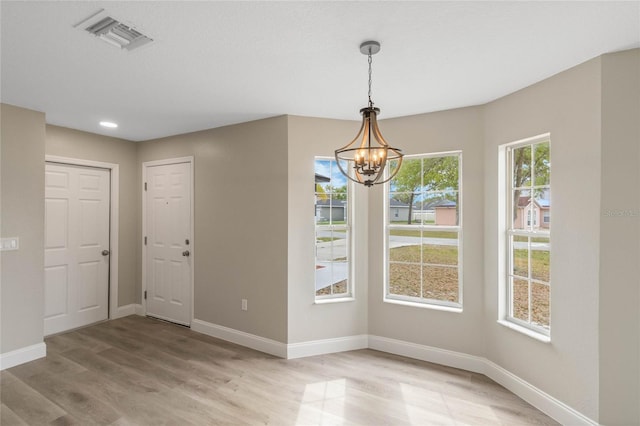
x=365, y=159
x=368, y=154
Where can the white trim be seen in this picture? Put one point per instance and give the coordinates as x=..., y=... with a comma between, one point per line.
x=252, y=341
x=427, y=353
x=525, y=330
x=145, y=165
x=22, y=355
x=114, y=220
x=140, y=310
x=124, y=311
x=544, y=402
x=327, y=346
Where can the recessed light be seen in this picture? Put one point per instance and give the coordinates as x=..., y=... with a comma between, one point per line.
x=108, y=124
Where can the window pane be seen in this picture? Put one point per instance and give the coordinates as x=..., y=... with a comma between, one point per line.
x=404, y=279
x=520, y=256
x=521, y=209
x=521, y=166
x=440, y=283
x=439, y=254
x=444, y=206
x=421, y=214
x=540, y=304
x=338, y=208
x=409, y=178
x=440, y=173
x=399, y=203
x=331, y=258
x=520, y=299
x=405, y=248
x=542, y=165
x=540, y=259
x=543, y=197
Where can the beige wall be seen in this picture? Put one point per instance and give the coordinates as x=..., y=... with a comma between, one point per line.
x=22, y=214
x=70, y=143
x=240, y=236
x=619, y=240
x=568, y=106
x=308, y=138
x=459, y=129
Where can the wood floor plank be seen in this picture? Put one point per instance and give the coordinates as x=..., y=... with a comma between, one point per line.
x=25, y=401
x=74, y=394
x=140, y=371
x=9, y=418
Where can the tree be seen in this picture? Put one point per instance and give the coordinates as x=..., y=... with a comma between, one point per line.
x=338, y=192
x=426, y=174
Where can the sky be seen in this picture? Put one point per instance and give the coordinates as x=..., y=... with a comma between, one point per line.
x=328, y=167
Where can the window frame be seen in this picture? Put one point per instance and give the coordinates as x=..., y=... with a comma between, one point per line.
x=423, y=302
x=507, y=231
x=347, y=227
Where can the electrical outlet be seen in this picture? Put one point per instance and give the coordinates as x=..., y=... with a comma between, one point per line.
x=244, y=304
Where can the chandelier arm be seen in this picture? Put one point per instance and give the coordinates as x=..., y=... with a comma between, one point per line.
x=347, y=175
x=381, y=140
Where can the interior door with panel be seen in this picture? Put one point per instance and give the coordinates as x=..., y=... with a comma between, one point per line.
x=76, y=246
x=168, y=242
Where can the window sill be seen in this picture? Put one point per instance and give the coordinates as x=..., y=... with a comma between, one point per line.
x=423, y=305
x=526, y=331
x=336, y=300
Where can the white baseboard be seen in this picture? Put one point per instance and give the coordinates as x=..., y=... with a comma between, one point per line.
x=326, y=346
x=139, y=310
x=22, y=355
x=124, y=311
x=252, y=341
x=544, y=402
x=428, y=353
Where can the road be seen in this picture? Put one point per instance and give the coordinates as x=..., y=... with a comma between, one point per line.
x=401, y=241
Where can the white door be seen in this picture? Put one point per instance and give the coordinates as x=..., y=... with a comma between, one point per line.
x=76, y=246
x=168, y=242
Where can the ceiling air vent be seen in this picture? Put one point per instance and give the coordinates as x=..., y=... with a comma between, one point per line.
x=113, y=31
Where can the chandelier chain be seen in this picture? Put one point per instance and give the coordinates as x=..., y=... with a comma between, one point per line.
x=370, y=101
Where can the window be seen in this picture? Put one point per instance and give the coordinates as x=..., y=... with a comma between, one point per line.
x=423, y=238
x=333, y=237
x=528, y=242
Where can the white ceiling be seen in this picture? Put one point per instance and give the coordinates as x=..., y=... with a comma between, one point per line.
x=218, y=63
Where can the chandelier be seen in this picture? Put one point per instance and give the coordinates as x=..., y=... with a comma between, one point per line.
x=368, y=154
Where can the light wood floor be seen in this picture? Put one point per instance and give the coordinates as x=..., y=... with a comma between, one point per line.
x=141, y=371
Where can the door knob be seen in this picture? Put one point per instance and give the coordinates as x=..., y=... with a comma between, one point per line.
x=186, y=253
x=105, y=252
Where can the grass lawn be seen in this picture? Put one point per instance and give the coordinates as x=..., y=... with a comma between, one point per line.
x=326, y=239
x=425, y=234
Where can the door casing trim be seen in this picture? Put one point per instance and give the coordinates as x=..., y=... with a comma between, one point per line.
x=165, y=162
x=114, y=216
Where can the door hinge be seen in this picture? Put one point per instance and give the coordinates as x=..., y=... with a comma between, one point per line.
x=145, y=186
x=145, y=295
x=145, y=241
